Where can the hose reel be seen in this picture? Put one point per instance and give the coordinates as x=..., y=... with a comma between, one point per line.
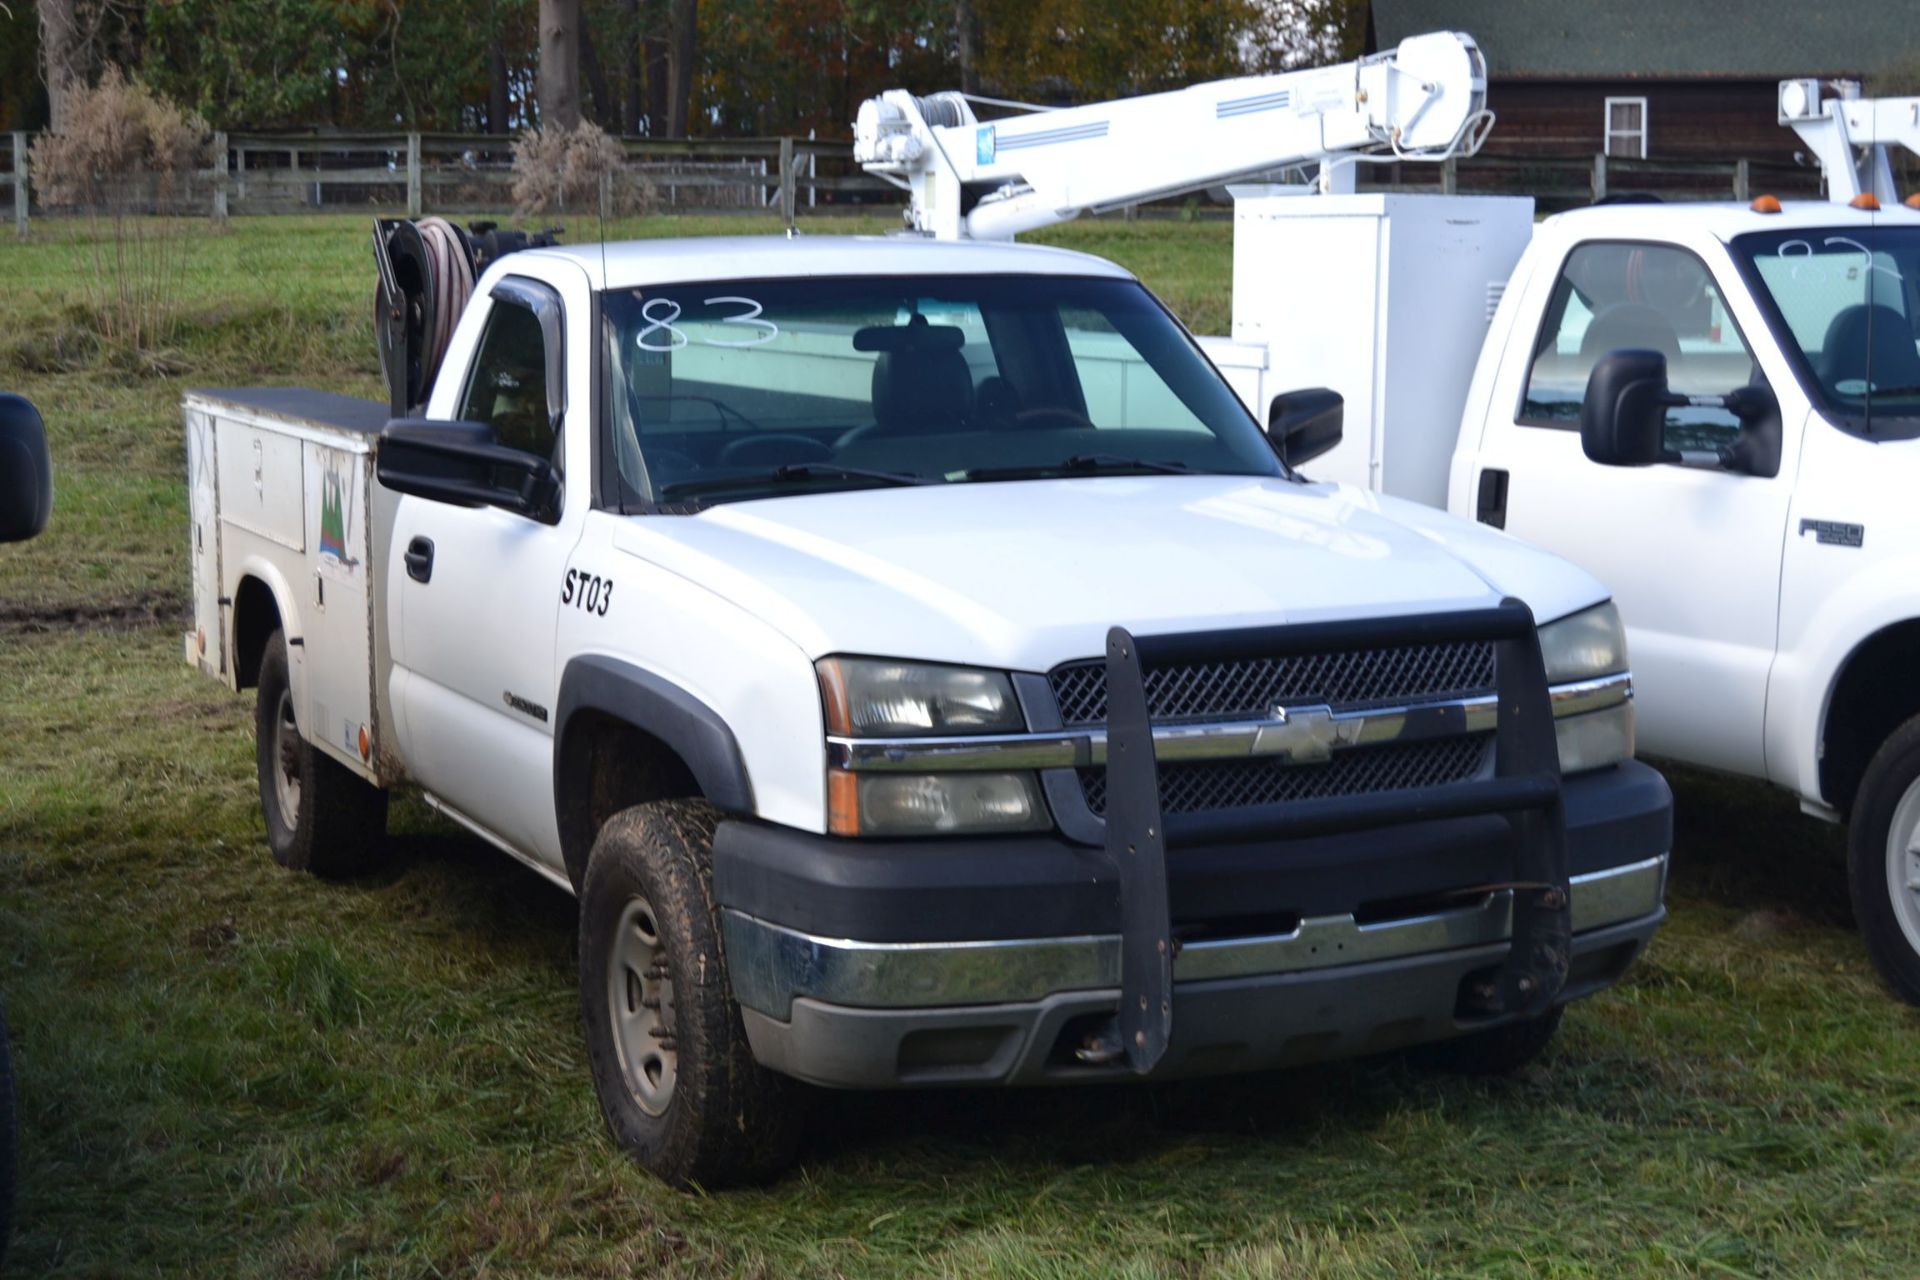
x=427, y=271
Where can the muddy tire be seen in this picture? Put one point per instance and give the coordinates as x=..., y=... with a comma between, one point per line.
x=1497, y=1051
x=320, y=817
x=1883, y=860
x=678, y=1085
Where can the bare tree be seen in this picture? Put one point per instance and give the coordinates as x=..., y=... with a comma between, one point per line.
x=60, y=57
x=559, y=64
x=683, y=23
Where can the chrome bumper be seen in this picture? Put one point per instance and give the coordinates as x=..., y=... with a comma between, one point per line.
x=772, y=965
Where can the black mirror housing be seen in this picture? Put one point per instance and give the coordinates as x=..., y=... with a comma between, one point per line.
x=1304, y=424
x=460, y=463
x=1623, y=419
x=26, y=470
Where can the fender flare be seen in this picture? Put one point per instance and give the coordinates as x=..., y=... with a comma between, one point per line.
x=655, y=705
x=269, y=576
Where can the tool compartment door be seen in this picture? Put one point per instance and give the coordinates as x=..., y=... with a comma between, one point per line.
x=203, y=646
x=339, y=715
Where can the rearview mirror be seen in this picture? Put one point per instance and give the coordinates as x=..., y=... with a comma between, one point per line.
x=460, y=463
x=1302, y=425
x=26, y=470
x=1623, y=419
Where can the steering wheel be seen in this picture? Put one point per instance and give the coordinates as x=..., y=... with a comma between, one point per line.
x=1052, y=413
x=774, y=447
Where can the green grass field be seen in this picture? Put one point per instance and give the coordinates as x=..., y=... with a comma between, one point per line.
x=227, y=1070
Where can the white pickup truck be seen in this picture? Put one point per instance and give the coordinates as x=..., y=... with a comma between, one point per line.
x=926, y=672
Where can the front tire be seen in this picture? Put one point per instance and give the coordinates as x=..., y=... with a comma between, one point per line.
x=1883, y=860
x=677, y=1083
x=320, y=816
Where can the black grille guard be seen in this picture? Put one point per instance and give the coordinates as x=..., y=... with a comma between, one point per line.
x=1525, y=788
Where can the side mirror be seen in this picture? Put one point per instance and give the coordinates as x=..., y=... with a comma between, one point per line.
x=1623, y=419
x=460, y=463
x=26, y=470
x=1302, y=425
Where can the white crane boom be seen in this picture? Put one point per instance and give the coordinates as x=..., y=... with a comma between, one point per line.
x=1834, y=120
x=1425, y=100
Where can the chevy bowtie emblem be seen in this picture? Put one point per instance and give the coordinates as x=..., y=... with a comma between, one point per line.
x=1305, y=735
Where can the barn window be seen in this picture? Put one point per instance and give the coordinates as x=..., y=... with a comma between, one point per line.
x=1627, y=128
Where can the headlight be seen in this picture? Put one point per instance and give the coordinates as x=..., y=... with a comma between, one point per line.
x=875, y=698
x=921, y=804
x=1589, y=646
x=878, y=698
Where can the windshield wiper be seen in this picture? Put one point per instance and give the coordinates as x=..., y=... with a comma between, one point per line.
x=791, y=473
x=1079, y=464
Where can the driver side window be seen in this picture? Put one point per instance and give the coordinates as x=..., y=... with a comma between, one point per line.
x=508, y=388
x=1648, y=296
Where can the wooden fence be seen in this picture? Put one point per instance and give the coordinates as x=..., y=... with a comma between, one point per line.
x=255, y=173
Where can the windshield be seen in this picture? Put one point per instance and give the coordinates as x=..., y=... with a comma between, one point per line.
x=750, y=389
x=1843, y=302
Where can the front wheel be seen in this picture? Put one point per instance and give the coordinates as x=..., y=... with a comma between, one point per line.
x=677, y=1083
x=1883, y=860
x=320, y=816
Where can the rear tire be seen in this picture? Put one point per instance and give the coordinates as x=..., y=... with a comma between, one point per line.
x=677, y=1082
x=1883, y=860
x=1497, y=1051
x=320, y=816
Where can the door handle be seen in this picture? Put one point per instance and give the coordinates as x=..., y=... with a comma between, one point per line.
x=1492, y=506
x=420, y=559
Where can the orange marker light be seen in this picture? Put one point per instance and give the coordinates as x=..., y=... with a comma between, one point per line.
x=833, y=697
x=366, y=743
x=1913, y=201
x=1765, y=204
x=843, y=803
x=1865, y=200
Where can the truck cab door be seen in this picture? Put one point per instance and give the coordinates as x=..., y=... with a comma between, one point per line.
x=1692, y=556
x=477, y=591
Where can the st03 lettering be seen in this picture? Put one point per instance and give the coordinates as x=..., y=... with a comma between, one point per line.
x=589, y=592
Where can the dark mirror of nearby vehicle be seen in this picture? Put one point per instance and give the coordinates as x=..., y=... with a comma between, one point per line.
x=461, y=463
x=1623, y=418
x=1305, y=424
x=26, y=470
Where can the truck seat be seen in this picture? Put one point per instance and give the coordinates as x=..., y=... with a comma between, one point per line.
x=1631, y=325
x=1870, y=342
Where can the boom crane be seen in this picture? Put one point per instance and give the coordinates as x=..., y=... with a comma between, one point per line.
x=1852, y=136
x=969, y=179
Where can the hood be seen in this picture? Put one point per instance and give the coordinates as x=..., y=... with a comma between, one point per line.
x=1023, y=576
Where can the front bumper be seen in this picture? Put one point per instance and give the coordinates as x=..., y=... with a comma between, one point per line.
x=875, y=964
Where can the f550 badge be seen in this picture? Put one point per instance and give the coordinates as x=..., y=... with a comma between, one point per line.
x=588, y=591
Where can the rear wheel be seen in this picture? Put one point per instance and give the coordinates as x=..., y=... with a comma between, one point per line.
x=677, y=1082
x=1497, y=1051
x=1883, y=860
x=320, y=816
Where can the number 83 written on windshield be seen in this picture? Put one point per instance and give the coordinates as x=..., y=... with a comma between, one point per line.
x=660, y=333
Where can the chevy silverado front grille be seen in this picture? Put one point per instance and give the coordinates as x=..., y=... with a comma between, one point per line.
x=1250, y=688
x=1207, y=785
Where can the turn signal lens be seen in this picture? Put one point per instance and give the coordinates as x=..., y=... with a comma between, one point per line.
x=1913, y=201
x=1865, y=200
x=1765, y=204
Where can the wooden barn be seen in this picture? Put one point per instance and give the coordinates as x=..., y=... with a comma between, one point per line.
x=1661, y=79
